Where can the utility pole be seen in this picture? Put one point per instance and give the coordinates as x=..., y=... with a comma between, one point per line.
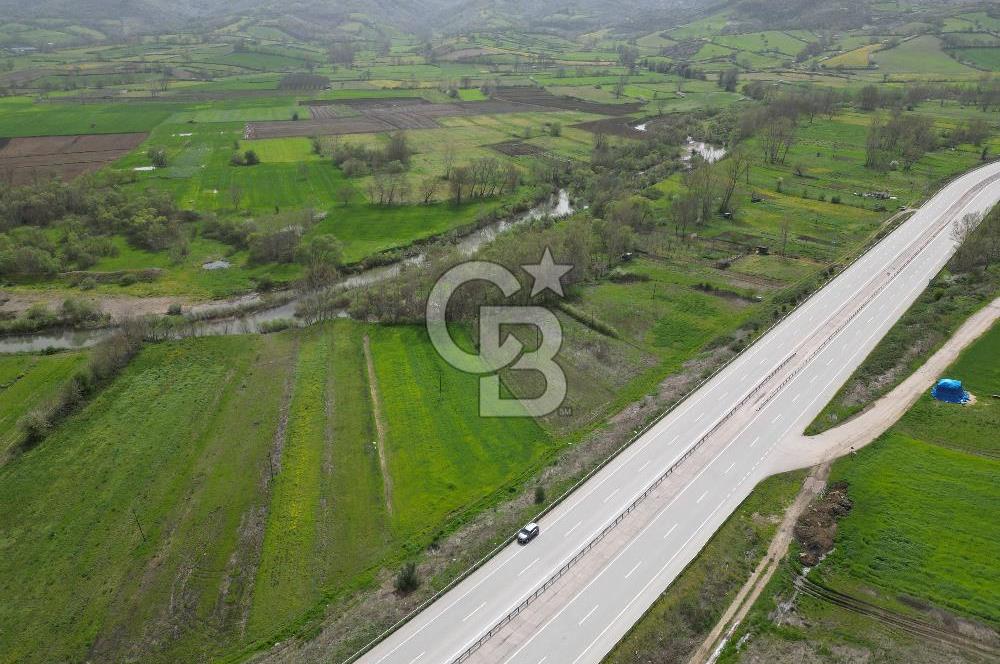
x=138, y=525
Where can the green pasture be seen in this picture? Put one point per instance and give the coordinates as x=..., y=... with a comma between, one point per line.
x=195, y=503
x=138, y=498
x=328, y=519
x=21, y=116
x=987, y=59
x=922, y=56
x=937, y=465
x=771, y=41
x=442, y=455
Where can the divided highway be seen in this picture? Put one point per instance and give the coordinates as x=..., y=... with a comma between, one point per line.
x=720, y=442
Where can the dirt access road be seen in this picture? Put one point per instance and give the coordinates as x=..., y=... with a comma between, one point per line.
x=851, y=435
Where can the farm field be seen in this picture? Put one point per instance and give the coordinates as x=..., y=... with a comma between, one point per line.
x=921, y=55
x=256, y=549
x=987, y=59
x=26, y=160
x=19, y=116
x=859, y=57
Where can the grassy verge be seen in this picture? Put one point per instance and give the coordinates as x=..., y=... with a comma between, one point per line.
x=681, y=618
x=27, y=381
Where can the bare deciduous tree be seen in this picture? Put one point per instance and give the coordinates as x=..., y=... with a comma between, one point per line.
x=736, y=165
x=429, y=187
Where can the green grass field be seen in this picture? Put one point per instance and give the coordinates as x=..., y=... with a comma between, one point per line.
x=328, y=520
x=20, y=116
x=987, y=59
x=937, y=465
x=665, y=315
x=168, y=448
x=922, y=56
x=179, y=446
x=442, y=464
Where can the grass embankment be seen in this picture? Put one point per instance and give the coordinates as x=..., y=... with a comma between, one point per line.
x=27, y=381
x=221, y=489
x=681, y=618
x=920, y=540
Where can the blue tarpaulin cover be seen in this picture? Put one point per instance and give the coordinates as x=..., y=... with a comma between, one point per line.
x=950, y=390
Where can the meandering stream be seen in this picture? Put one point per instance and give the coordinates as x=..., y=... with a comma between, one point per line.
x=557, y=206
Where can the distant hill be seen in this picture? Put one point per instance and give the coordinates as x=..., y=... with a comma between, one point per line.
x=321, y=18
x=413, y=16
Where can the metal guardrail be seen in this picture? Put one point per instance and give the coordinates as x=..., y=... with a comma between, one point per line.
x=874, y=241
x=621, y=517
x=928, y=236
x=933, y=233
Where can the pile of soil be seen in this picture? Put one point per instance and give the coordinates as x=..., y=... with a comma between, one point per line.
x=817, y=527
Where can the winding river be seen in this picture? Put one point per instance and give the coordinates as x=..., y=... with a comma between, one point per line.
x=556, y=206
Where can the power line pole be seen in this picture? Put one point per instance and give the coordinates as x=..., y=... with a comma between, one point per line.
x=138, y=525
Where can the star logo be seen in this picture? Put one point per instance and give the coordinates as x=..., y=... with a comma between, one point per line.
x=547, y=274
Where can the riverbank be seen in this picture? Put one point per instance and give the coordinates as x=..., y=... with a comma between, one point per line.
x=244, y=314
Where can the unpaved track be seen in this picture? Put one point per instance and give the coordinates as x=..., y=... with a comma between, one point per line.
x=876, y=419
x=379, y=425
x=748, y=594
x=853, y=434
x=915, y=626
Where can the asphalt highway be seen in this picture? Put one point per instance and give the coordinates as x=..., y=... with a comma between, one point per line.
x=774, y=389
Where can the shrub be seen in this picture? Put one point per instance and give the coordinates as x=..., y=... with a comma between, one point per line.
x=407, y=580
x=835, y=200
x=620, y=276
x=275, y=247
x=590, y=321
x=157, y=157
x=38, y=312
x=174, y=309
x=353, y=168
x=75, y=311
x=24, y=261
x=539, y=494
x=228, y=231
x=264, y=283
x=34, y=427
x=276, y=325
